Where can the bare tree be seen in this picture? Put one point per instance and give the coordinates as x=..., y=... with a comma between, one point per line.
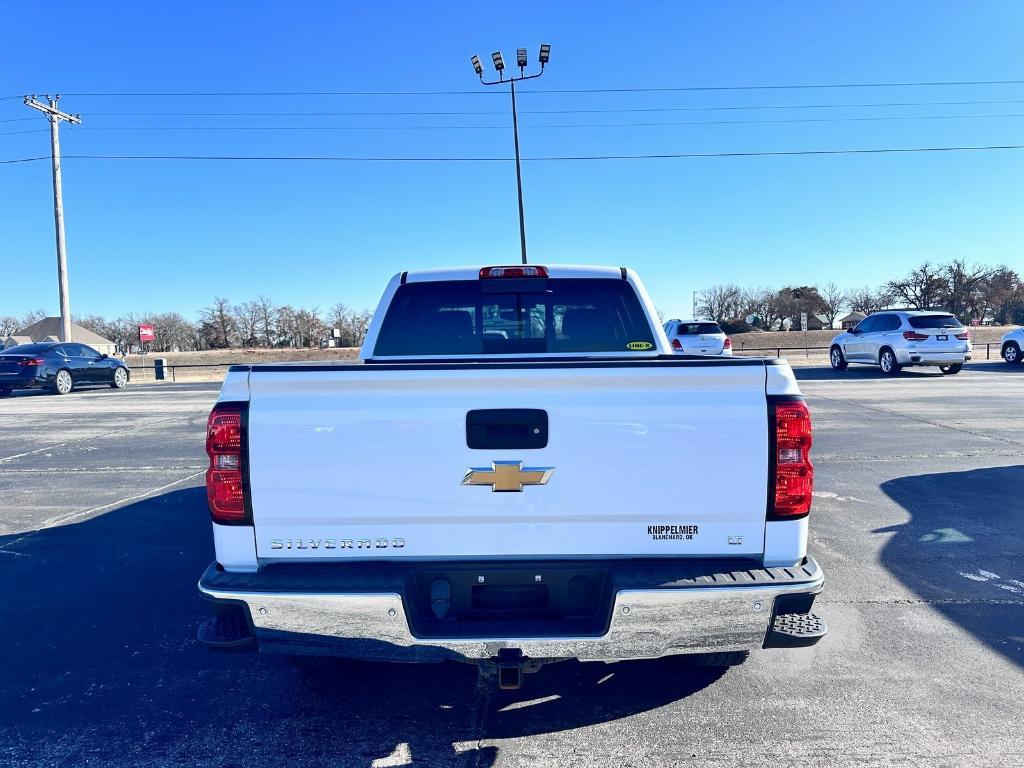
x=217, y=325
x=867, y=300
x=923, y=288
x=720, y=302
x=32, y=316
x=351, y=323
x=309, y=327
x=763, y=304
x=8, y=325
x=173, y=332
x=266, y=312
x=247, y=321
x=833, y=299
x=1001, y=297
x=964, y=288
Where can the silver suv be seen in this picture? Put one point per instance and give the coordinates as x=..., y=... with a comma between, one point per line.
x=894, y=340
x=1012, y=346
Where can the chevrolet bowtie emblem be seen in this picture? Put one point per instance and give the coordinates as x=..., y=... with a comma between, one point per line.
x=507, y=476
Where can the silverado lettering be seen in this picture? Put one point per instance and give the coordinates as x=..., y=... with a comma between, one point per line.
x=381, y=543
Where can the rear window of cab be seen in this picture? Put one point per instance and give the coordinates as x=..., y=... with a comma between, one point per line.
x=507, y=317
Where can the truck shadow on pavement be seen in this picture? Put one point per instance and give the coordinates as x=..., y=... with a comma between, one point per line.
x=963, y=550
x=101, y=665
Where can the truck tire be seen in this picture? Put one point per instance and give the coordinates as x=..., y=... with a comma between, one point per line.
x=887, y=362
x=1011, y=353
x=727, y=659
x=948, y=370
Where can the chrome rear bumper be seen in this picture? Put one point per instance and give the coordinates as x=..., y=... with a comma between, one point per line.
x=921, y=357
x=710, y=613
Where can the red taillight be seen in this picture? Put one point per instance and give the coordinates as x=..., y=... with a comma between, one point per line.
x=915, y=336
x=965, y=336
x=225, y=489
x=488, y=273
x=33, y=361
x=677, y=345
x=794, y=473
x=728, y=343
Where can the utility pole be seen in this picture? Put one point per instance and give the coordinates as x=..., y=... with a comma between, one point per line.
x=499, y=66
x=55, y=116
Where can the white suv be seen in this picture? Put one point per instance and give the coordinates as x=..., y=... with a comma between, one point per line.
x=698, y=337
x=894, y=340
x=1013, y=345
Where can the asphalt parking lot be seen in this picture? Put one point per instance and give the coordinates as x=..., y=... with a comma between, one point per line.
x=918, y=523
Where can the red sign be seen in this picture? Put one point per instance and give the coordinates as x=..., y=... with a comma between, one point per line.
x=975, y=321
x=146, y=333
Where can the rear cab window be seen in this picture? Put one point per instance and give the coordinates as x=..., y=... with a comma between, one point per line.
x=514, y=317
x=934, y=321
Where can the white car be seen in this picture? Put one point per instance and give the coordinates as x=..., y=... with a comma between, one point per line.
x=698, y=337
x=894, y=340
x=479, y=487
x=1012, y=345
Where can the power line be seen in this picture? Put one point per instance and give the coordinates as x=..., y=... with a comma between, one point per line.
x=554, y=158
x=612, y=110
x=655, y=89
x=876, y=118
x=800, y=86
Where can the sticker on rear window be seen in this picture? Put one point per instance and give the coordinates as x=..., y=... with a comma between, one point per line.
x=639, y=345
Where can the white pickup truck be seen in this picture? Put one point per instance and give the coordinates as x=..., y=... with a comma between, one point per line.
x=517, y=471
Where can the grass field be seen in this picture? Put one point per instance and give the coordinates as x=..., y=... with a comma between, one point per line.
x=217, y=359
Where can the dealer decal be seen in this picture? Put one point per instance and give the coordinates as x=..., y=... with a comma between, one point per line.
x=639, y=345
x=671, y=532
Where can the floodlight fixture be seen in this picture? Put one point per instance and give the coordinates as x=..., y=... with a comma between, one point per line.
x=522, y=61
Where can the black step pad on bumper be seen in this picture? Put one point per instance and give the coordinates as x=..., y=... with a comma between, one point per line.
x=795, y=630
x=227, y=632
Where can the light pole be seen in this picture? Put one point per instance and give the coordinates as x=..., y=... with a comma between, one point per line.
x=499, y=67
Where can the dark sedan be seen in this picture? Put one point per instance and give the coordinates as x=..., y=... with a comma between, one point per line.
x=59, y=367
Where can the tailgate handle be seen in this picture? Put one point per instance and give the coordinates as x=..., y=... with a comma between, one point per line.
x=496, y=428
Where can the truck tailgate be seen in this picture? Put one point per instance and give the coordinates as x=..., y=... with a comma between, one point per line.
x=651, y=458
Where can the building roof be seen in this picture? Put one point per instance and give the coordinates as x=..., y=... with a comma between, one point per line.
x=853, y=316
x=50, y=326
x=13, y=341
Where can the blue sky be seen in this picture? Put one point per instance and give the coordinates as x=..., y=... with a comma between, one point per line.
x=169, y=235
